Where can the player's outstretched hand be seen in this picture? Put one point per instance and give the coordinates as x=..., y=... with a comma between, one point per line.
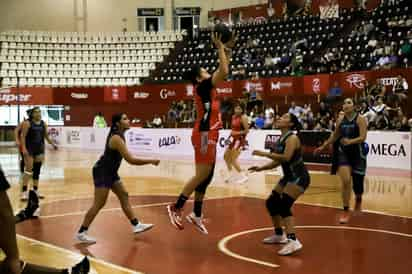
x=254, y=169
x=155, y=162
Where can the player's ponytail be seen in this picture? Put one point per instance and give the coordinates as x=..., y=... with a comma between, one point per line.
x=296, y=125
x=114, y=128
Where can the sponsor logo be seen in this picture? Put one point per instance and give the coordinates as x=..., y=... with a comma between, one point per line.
x=73, y=136
x=115, y=94
x=80, y=96
x=356, y=80
x=189, y=90
x=388, y=81
x=279, y=85
x=169, y=141
x=165, y=93
x=394, y=150
x=6, y=96
x=138, y=139
x=316, y=85
x=141, y=95
x=271, y=140
x=224, y=90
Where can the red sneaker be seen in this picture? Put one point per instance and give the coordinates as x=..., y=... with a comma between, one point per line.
x=175, y=216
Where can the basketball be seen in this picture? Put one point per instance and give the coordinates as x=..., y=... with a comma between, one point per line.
x=225, y=31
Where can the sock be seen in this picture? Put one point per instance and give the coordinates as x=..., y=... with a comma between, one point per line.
x=181, y=201
x=134, y=221
x=35, y=188
x=346, y=208
x=278, y=231
x=292, y=236
x=24, y=188
x=197, y=209
x=83, y=229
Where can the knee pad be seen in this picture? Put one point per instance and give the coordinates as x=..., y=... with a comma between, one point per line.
x=201, y=188
x=357, y=184
x=36, y=170
x=273, y=203
x=286, y=206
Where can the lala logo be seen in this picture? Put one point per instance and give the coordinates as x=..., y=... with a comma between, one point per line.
x=278, y=85
x=224, y=90
x=115, y=94
x=356, y=80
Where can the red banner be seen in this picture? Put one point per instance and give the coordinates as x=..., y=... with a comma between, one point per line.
x=26, y=96
x=115, y=94
x=352, y=82
x=280, y=86
x=78, y=96
x=316, y=84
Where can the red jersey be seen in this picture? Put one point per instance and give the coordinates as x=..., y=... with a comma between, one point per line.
x=237, y=123
x=207, y=107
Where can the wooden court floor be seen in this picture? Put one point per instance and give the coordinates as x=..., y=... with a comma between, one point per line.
x=235, y=216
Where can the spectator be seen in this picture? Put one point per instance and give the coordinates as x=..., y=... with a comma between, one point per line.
x=99, y=121
x=335, y=93
x=380, y=119
x=400, y=122
x=400, y=89
x=157, y=121
x=378, y=89
x=324, y=110
x=295, y=110
x=269, y=121
x=254, y=88
x=260, y=121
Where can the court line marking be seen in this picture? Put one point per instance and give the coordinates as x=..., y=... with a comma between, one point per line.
x=119, y=208
x=260, y=196
x=77, y=255
x=224, y=249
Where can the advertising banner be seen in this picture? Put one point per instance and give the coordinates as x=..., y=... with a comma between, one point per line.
x=386, y=149
x=316, y=84
x=26, y=96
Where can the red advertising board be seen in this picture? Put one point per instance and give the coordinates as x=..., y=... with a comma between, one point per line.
x=316, y=84
x=115, y=94
x=78, y=96
x=280, y=86
x=351, y=82
x=26, y=96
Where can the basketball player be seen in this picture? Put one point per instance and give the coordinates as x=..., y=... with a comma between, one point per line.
x=8, y=243
x=351, y=130
x=106, y=178
x=204, y=136
x=17, y=136
x=240, y=128
x=33, y=133
x=287, y=153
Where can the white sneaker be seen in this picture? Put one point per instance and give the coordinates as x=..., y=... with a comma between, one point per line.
x=275, y=239
x=197, y=222
x=291, y=247
x=85, y=238
x=37, y=212
x=140, y=227
x=243, y=179
x=229, y=178
x=24, y=196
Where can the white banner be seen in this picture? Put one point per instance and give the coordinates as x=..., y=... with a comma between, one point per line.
x=389, y=149
x=386, y=149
